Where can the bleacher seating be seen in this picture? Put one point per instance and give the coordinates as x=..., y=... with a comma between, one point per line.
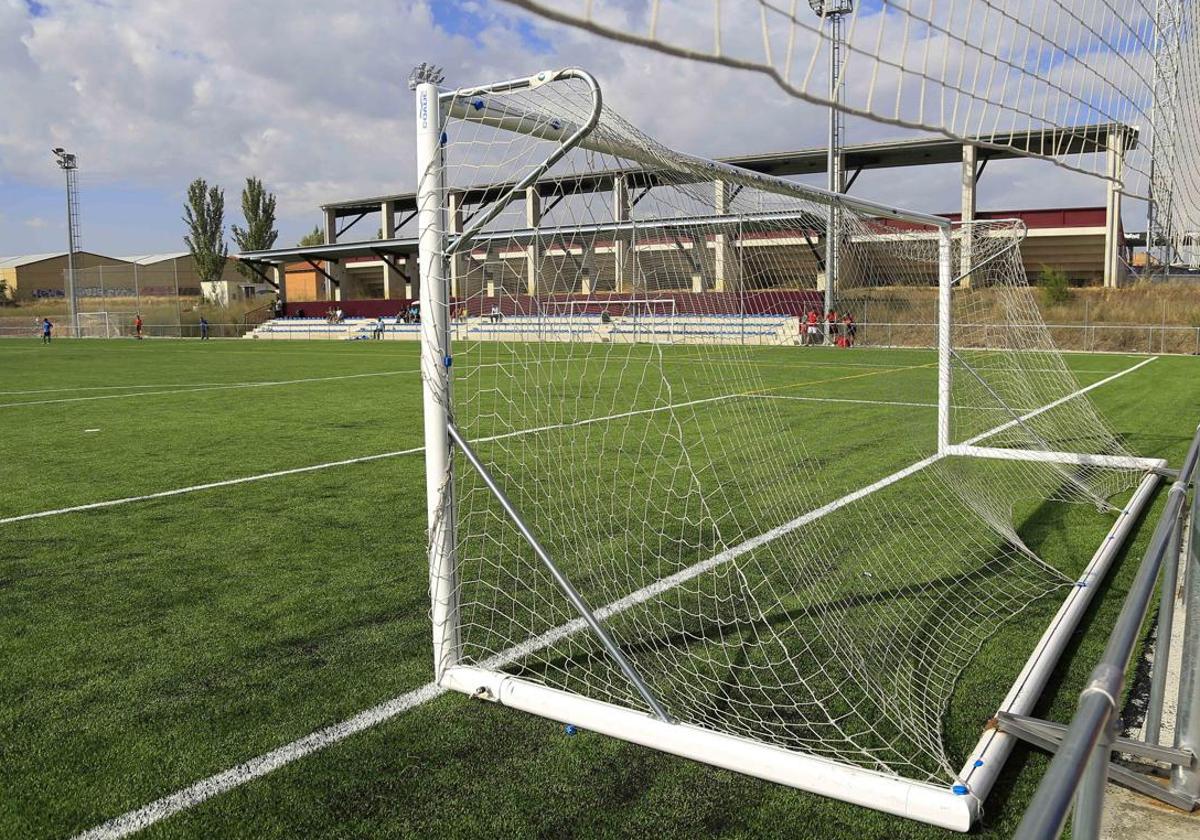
x=319, y=329
x=657, y=329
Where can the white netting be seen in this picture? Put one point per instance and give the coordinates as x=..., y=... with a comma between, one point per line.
x=991, y=70
x=628, y=363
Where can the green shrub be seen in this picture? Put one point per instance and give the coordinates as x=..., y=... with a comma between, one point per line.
x=1056, y=288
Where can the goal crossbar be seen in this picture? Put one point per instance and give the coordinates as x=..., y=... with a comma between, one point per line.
x=472, y=105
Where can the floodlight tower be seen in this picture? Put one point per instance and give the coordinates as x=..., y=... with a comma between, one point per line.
x=832, y=12
x=70, y=165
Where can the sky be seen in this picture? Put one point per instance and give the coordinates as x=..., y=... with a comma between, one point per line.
x=313, y=99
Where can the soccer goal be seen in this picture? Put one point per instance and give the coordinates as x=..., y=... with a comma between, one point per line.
x=95, y=325
x=645, y=539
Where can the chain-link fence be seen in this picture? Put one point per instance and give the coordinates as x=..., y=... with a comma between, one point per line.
x=108, y=299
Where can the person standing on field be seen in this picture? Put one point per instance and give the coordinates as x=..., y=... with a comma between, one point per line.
x=137, y=325
x=203, y=328
x=47, y=328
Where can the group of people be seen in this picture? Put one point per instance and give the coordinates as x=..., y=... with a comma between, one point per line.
x=334, y=316
x=840, y=331
x=47, y=328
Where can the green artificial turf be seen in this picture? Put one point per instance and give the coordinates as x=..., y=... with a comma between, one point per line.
x=150, y=644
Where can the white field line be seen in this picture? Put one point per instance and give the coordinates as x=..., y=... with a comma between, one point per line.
x=195, y=488
x=1016, y=420
x=136, y=820
x=414, y=450
x=193, y=389
x=212, y=485
x=229, y=482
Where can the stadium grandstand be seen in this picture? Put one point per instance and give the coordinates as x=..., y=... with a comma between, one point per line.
x=372, y=277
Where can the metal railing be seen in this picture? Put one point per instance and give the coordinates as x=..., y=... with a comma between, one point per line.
x=1082, y=763
x=64, y=330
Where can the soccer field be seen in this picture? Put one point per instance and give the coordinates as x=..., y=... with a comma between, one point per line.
x=212, y=550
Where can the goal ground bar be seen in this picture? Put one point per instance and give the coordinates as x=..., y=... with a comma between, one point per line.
x=1083, y=459
x=932, y=804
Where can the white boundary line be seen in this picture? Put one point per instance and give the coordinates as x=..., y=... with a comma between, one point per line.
x=413, y=451
x=1005, y=426
x=189, y=390
x=140, y=818
x=382, y=455
x=136, y=820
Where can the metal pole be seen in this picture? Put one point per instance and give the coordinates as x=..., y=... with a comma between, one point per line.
x=1162, y=648
x=435, y=369
x=1098, y=702
x=72, y=245
x=1089, y=802
x=833, y=164
x=561, y=580
x=1186, y=780
x=944, y=348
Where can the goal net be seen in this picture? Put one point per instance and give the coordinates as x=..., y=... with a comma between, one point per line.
x=680, y=543
x=1045, y=79
x=95, y=325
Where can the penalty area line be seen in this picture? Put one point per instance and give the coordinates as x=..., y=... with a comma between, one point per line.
x=192, y=390
x=134, y=821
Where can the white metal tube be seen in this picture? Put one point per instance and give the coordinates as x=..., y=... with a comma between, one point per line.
x=945, y=301
x=927, y=803
x=1186, y=780
x=435, y=376
x=1085, y=459
x=987, y=759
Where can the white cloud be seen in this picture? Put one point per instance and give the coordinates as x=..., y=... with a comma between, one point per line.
x=36, y=222
x=314, y=100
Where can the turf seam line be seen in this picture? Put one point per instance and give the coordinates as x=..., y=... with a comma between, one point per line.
x=136, y=820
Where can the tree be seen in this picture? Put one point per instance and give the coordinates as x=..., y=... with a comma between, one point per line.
x=258, y=209
x=204, y=214
x=315, y=237
x=1056, y=288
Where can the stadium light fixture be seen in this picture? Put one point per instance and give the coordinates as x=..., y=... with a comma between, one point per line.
x=70, y=164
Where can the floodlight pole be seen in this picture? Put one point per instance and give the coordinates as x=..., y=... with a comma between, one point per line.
x=70, y=165
x=832, y=12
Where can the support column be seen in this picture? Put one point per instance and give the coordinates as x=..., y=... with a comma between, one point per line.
x=726, y=268
x=458, y=261
x=970, y=169
x=533, y=251
x=587, y=270
x=1113, y=270
x=944, y=346
x=621, y=208
x=387, y=230
x=279, y=272
x=699, y=258
x=335, y=269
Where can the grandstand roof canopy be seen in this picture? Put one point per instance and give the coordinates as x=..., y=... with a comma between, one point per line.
x=921, y=151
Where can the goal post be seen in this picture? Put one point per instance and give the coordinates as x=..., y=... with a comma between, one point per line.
x=632, y=536
x=94, y=325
